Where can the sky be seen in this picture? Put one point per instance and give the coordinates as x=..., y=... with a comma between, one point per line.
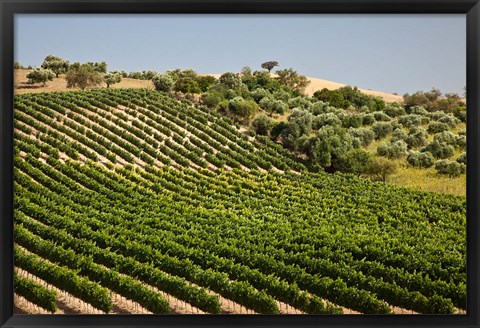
x=391, y=53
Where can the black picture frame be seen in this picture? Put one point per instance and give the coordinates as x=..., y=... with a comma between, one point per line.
x=471, y=8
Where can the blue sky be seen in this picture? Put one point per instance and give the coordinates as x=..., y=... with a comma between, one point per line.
x=392, y=53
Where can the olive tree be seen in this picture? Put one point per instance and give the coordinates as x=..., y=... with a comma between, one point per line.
x=112, y=78
x=269, y=65
x=84, y=76
x=379, y=168
x=163, y=82
x=40, y=75
x=56, y=64
x=419, y=159
x=450, y=168
x=263, y=124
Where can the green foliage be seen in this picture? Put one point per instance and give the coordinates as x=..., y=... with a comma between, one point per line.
x=243, y=108
x=333, y=97
x=100, y=67
x=416, y=110
x=212, y=98
x=269, y=65
x=84, y=76
x=35, y=293
x=368, y=119
x=290, y=78
x=410, y=120
x=355, y=161
x=231, y=80
x=419, y=159
x=450, y=168
x=436, y=127
x=40, y=75
x=272, y=105
x=347, y=96
x=259, y=93
x=446, y=137
x=439, y=149
x=263, y=124
x=326, y=119
x=328, y=146
x=394, y=110
x=381, y=168
x=365, y=135
x=382, y=129
x=381, y=116
x=56, y=64
x=163, y=82
x=416, y=137
x=449, y=120
x=395, y=150
x=205, y=82
x=462, y=158
x=112, y=78
x=432, y=101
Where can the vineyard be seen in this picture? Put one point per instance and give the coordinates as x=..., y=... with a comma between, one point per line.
x=131, y=196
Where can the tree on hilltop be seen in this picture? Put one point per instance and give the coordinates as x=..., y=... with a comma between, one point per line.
x=269, y=65
x=56, y=64
x=163, y=82
x=292, y=79
x=112, y=78
x=85, y=75
x=40, y=75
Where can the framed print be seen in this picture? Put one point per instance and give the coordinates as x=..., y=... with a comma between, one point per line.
x=241, y=163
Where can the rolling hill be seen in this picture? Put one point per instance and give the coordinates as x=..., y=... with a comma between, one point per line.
x=131, y=194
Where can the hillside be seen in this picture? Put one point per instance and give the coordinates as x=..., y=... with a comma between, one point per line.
x=59, y=84
x=131, y=194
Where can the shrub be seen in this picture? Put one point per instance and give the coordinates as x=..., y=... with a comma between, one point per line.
x=446, y=137
x=450, y=120
x=439, y=150
x=398, y=134
x=416, y=137
x=419, y=159
x=163, y=82
x=379, y=168
x=381, y=129
x=450, y=168
x=462, y=158
x=259, y=93
x=436, y=127
x=410, y=120
x=244, y=109
x=325, y=119
x=366, y=136
x=417, y=110
x=394, y=150
x=382, y=149
x=394, y=111
x=272, y=105
x=461, y=114
x=299, y=102
x=211, y=99
x=381, y=117
x=461, y=141
x=263, y=124
x=351, y=120
x=368, y=119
